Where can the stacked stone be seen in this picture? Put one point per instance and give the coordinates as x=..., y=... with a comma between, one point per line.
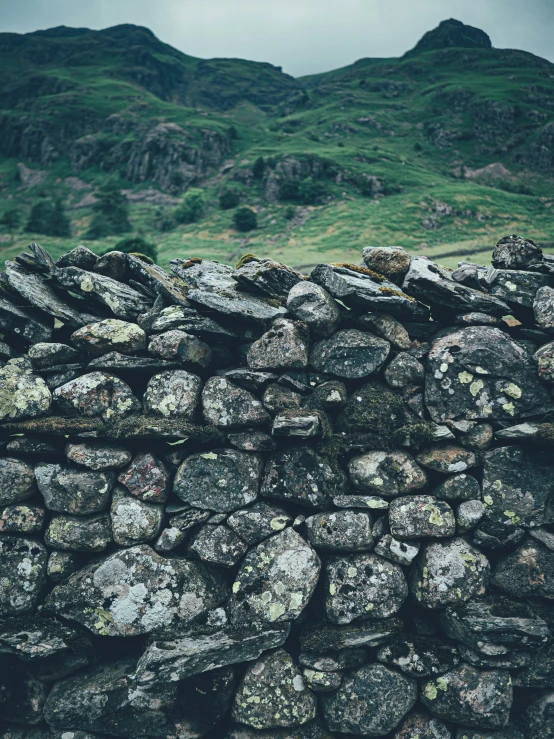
x=241, y=503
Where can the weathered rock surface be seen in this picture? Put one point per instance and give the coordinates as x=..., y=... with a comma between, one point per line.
x=350, y=354
x=22, y=574
x=370, y=702
x=222, y=481
x=110, y=335
x=135, y=591
x=275, y=581
x=362, y=586
x=68, y=489
x=314, y=306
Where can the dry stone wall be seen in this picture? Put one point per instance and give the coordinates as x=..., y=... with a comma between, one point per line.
x=244, y=503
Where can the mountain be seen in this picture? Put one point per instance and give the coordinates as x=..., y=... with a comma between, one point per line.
x=444, y=149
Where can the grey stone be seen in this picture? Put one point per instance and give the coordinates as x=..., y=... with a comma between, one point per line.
x=386, y=473
x=321, y=682
x=314, y=306
x=492, y=377
x=447, y=573
x=22, y=574
x=200, y=650
x=68, y=489
x=266, y=277
x=517, y=486
x=135, y=591
x=391, y=261
x=362, y=586
x=387, y=327
x=470, y=697
x=447, y=458
x=21, y=519
x=418, y=656
x=222, y=480
x=174, y=393
x=434, y=285
x=350, y=354
x=22, y=394
x=347, y=531
x=182, y=347
x=257, y=522
x=517, y=288
x=146, y=478
x=228, y=406
x=17, y=480
x=469, y=514
x=61, y=565
x=300, y=475
x=96, y=394
x=325, y=637
x=278, y=398
x=101, y=699
x=218, y=545
x=98, y=455
x=495, y=625
x=123, y=301
x=48, y=354
x=401, y=552
x=404, y=371
x=370, y=702
x=360, y=287
x=298, y=423
x=421, y=725
x=276, y=580
x=329, y=396
x=252, y=441
x=527, y=572
x=364, y=502
x=109, y=335
x=79, y=533
x=284, y=698
x=284, y=346
x=133, y=520
x=514, y=252
x=421, y=517
x=458, y=488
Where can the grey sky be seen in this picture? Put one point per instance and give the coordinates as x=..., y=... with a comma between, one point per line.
x=302, y=36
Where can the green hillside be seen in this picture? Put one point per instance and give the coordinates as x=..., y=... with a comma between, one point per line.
x=442, y=150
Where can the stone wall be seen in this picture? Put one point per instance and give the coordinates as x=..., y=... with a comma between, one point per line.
x=241, y=503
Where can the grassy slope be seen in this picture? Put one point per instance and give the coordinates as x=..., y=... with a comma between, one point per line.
x=375, y=117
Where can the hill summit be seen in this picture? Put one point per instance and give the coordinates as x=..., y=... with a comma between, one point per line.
x=452, y=33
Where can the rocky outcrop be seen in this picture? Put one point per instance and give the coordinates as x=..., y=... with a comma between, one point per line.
x=452, y=33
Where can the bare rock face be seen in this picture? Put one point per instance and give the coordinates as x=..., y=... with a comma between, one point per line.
x=284, y=346
x=135, y=591
x=171, y=394
x=96, y=394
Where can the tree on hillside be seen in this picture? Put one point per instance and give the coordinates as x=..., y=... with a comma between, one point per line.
x=11, y=220
x=137, y=245
x=111, y=212
x=191, y=208
x=48, y=217
x=258, y=168
x=245, y=219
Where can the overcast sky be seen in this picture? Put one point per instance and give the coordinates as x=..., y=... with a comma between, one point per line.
x=302, y=36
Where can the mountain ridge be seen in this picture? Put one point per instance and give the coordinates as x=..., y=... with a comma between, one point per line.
x=86, y=104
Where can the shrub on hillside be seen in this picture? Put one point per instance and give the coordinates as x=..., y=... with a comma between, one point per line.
x=258, y=168
x=245, y=219
x=229, y=199
x=191, y=208
x=48, y=217
x=306, y=192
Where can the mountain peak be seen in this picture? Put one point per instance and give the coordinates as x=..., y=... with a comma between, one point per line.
x=450, y=33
